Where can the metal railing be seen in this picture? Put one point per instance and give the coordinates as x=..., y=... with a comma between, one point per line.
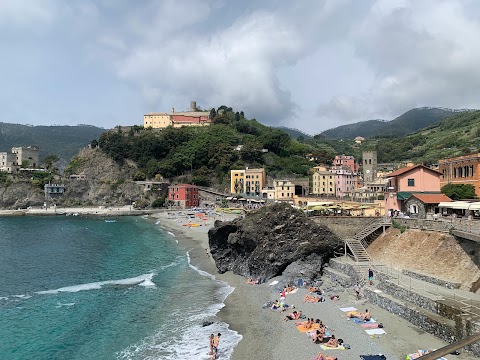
x=465, y=304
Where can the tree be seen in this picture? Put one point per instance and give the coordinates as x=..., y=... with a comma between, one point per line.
x=50, y=161
x=213, y=113
x=459, y=191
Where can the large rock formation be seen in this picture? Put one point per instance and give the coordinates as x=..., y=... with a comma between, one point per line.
x=267, y=241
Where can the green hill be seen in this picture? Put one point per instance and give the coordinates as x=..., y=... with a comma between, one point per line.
x=294, y=133
x=63, y=141
x=406, y=123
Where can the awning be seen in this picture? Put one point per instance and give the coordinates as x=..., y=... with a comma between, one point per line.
x=474, y=206
x=462, y=205
x=403, y=195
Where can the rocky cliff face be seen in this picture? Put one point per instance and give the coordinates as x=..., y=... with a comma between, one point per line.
x=271, y=240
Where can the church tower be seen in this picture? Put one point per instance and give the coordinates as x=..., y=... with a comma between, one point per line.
x=369, y=162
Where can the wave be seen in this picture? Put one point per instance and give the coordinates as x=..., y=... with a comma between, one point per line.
x=142, y=280
x=201, y=272
x=171, y=233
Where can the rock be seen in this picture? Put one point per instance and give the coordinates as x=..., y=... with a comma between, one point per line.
x=207, y=323
x=270, y=241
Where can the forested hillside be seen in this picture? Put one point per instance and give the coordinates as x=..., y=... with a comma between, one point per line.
x=206, y=154
x=406, y=123
x=63, y=141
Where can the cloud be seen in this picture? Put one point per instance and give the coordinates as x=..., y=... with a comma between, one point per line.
x=22, y=13
x=422, y=54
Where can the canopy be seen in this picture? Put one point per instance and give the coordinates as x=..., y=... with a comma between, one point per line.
x=474, y=206
x=317, y=207
x=455, y=205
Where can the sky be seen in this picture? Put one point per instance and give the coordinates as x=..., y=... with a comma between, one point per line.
x=306, y=64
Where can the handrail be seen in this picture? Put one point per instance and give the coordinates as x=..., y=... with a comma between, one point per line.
x=451, y=348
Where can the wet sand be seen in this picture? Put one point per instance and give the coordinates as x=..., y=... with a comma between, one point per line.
x=265, y=334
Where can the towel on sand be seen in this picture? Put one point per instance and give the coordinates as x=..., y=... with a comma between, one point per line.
x=369, y=326
x=302, y=329
x=348, y=309
x=360, y=321
x=339, y=347
x=373, y=357
x=375, y=332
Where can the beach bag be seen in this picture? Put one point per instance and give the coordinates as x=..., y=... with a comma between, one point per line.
x=380, y=325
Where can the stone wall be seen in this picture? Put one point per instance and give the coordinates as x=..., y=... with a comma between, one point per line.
x=344, y=226
x=446, y=284
x=420, y=206
x=422, y=224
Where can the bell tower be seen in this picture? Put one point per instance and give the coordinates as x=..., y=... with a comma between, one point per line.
x=369, y=163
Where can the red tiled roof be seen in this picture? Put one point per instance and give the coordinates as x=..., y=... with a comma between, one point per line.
x=408, y=169
x=432, y=198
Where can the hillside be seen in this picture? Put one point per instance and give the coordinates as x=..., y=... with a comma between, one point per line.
x=63, y=141
x=406, y=123
x=294, y=133
x=433, y=246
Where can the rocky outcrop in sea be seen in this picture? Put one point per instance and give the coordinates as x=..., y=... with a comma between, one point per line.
x=274, y=240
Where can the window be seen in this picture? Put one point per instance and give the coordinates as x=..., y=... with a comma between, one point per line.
x=411, y=182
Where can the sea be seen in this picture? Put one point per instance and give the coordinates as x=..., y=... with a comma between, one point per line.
x=74, y=287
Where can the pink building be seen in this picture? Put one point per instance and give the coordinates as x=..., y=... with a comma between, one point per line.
x=344, y=180
x=402, y=183
x=346, y=160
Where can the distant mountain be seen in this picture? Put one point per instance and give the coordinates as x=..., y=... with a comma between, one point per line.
x=294, y=133
x=407, y=123
x=63, y=141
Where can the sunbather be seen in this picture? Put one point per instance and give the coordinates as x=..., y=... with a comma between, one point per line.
x=321, y=356
x=293, y=316
x=318, y=335
x=333, y=343
x=365, y=316
x=305, y=324
x=276, y=305
x=309, y=298
x=419, y=354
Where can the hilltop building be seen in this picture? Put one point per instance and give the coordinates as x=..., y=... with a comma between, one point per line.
x=461, y=170
x=184, y=196
x=19, y=157
x=177, y=119
x=248, y=182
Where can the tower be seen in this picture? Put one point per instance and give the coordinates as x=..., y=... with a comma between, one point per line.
x=369, y=161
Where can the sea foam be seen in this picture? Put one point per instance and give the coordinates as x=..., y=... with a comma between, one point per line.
x=142, y=280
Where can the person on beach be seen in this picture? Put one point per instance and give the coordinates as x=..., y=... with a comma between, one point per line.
x=365, y=316
x=212, y=338
x=293, y=316
x=370, y=276
x=321, y=356
x=313, y=299
x=357, y=291
x=333, y=343
x=216, y=342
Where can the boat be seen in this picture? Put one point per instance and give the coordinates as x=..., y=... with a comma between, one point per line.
x=110, y=221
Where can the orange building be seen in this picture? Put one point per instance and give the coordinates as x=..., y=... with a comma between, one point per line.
x=461, y=170
x=184, y=196
x=402, y=183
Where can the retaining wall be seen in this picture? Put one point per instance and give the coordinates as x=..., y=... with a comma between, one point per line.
x=345, y=227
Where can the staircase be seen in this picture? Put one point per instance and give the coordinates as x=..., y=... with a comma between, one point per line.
x=358, y=246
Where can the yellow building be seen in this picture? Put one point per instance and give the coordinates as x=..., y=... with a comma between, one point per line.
x=284, y=190
x=248, y=182
x=157, y=120
x=323, y=183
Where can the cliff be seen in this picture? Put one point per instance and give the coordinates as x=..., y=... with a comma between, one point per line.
x=274, y=240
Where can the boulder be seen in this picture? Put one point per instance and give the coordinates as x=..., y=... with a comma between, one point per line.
x=266, y=241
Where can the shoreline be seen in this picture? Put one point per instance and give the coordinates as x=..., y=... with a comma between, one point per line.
x=85, y=211
x=264, y=333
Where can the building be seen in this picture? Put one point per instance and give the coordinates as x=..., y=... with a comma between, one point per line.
x=424, y=206
x=184, y=196
x=284, y=190
x=248, y=182
x=461, y=170
x=369, y=162
x=344, y=180
x=8, y=162
x=359, y=139
x=323, y=183
x=53, y=190
x=27, y=157
x=402, y=183
x=345, y=160
x=177, y=119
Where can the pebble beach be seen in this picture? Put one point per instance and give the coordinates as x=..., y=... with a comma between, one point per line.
x=267, y=336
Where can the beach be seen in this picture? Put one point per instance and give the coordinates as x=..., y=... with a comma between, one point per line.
x=267, y=336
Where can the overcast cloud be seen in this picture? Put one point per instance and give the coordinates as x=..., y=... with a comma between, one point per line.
x=312, y=65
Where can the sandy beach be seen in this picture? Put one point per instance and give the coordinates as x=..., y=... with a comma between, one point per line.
x=267, y=336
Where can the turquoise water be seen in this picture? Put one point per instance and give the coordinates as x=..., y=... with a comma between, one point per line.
x=83, y=288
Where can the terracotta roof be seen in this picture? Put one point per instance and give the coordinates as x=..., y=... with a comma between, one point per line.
x=408, y=169
x=432, y=198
